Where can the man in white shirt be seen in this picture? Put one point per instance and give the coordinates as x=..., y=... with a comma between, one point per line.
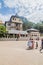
x=29, y=44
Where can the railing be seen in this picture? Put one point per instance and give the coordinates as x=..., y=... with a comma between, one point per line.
x=14, y=39
x=8, y=39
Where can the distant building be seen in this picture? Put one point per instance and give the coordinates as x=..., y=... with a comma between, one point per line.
x=33, y=34
x=15, y=27
x=14, y=23
x=1, y=23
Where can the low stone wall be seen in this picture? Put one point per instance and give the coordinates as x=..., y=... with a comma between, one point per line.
x=13, y=39
x=8, y=39
x=23, y=39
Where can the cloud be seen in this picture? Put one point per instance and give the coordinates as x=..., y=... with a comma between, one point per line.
x=36, y=17
x=5, y=17
x=10, y=3
x=31, y=9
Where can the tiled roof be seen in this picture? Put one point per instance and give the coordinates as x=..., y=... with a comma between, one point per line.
x=15, y=20
x=32, y=30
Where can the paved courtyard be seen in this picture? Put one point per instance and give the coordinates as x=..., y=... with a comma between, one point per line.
x=15, y=53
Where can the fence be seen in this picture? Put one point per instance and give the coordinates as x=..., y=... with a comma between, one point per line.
x=14, y=39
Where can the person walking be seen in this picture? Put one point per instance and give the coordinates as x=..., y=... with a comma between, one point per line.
x=41, y=45
x=32, y=44
x=29, y=44
x=36, y=45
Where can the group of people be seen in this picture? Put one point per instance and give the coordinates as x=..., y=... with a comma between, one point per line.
x=30, y=44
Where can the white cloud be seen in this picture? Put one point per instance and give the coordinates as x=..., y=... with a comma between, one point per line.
x=35, y=17
x=10, y=3
x=31, y=9
x=5, y=17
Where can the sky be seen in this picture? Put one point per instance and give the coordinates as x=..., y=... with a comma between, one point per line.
x=31, y=9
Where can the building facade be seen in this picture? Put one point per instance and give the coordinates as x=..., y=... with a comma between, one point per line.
x=15, y=27
x=14, y=23
x=33, y=34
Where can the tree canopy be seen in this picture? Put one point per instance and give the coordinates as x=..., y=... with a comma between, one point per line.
x=2, y=30
x=39, y=26
x=28, y=25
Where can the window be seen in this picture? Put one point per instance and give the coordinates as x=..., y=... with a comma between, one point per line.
x=9, y=24
x=26, y=35
x=13, y=18
x=35, y=34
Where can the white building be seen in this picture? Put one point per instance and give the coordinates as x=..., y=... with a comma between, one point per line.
x=15, y=27
x=33, y=34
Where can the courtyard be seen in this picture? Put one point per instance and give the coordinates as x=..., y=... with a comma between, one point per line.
x=15, y=53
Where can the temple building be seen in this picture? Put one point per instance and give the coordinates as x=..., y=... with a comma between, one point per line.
x=14, y=27
x=33, y=34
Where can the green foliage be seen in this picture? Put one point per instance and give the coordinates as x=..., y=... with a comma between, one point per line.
x=2, y=30
x=39, y=26
x=27, y=25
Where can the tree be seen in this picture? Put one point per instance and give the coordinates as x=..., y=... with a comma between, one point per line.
x=27, y=25
x=39, y=26
x=2, y=30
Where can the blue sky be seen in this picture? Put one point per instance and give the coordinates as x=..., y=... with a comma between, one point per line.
x=31, y=9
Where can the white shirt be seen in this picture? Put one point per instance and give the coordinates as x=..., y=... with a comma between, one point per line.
x=29, y=43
